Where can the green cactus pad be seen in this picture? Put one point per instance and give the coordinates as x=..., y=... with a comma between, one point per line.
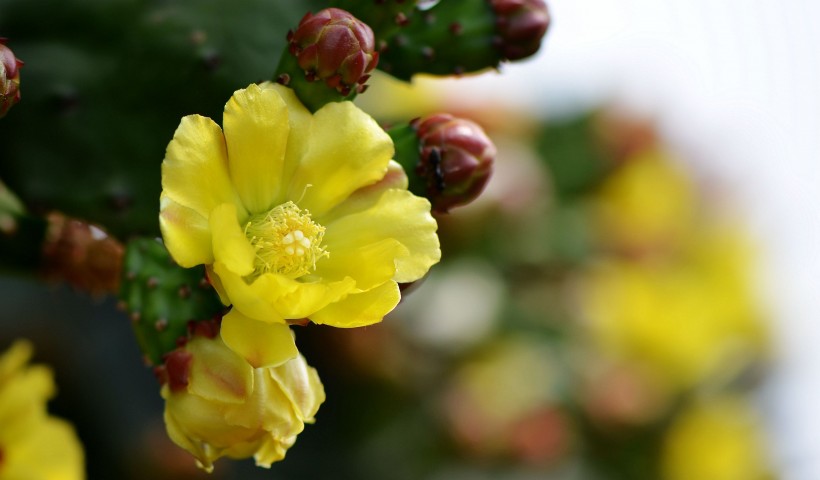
x=161, y=298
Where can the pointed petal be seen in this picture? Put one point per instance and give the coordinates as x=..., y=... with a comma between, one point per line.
x=360, y=309
x=256, y=133
x=262, y=344
x=349, y=151
x=186, y=233
x=195, y=169
x=395, y=214
x=230, y=246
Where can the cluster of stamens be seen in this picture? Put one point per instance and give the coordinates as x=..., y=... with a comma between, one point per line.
x=286, y=240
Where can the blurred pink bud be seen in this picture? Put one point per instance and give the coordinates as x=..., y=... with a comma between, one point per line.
x=9, y=78
x=456, y=159
x=336, y=47
x=521, y=25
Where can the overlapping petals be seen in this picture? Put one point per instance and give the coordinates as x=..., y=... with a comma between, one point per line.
x=296, y=215
x=228, y=408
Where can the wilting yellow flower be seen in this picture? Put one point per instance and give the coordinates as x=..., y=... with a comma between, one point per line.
x=217, y=405
x=295, y=215
x=718, y=440
x=684, y=319
x=33, y=445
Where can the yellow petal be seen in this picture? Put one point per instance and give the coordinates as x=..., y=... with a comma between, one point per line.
x=195, y=169
x=296, y=299
x=395, y=214
x=360, y=309
x=242, y=296
x=217, y=373
x=368, y=264
x=231, y=247
x=256, y=133
x=299, y=138
x=186, y=234
x=262, y=344
x=50, y=450
x=302, y=386
x=275, y=296
x=349, y=150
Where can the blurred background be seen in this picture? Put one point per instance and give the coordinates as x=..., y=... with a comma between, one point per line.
x=631, y=298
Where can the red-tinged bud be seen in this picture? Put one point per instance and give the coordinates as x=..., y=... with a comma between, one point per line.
x=521, y=24
x=9, y=78
x=336, y=47
x=82, y=254
x=456, y=159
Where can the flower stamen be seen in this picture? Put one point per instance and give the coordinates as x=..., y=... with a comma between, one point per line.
x=287, y=241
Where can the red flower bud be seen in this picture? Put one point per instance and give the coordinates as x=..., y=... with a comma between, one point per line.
x=336, y=47
x=9, y=78
x=521, y=25
x=456, y=159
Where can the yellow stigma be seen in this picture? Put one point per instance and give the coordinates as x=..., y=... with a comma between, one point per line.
x=286, y=240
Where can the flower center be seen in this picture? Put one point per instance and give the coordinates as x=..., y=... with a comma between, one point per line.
x=286, y=240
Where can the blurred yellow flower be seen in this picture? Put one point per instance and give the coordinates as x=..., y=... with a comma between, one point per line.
x=686, y=318
x=648, y=203
x=296, y=214
x=221, y=406
x=717, y=440
x=33, y=445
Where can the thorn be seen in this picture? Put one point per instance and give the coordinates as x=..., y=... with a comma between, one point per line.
x=152, y=282
x=204, y=284
x=428, y=53
x=161, y=325
x=122, y=306
x=458, y=70
x=283, y=79
x=401, y=19
x=131, y=276
x=184, y=292
x=456, y=28
x=135, y=317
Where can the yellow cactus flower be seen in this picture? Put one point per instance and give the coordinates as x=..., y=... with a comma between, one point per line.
x=687, y=319
x=217, y=405
x=721, y=439
x=296, y=215
x=32, y=443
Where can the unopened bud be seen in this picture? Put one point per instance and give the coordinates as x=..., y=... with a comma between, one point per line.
x=9, y=78
x=520, y=24
x=456, y=159
x=218, y=405
x=82, y=254
x=335, y=47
